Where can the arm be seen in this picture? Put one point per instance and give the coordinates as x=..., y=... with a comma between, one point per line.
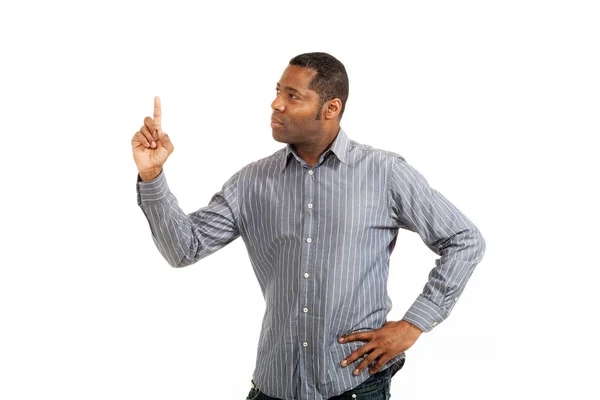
x=182, y=239
x=446, y=231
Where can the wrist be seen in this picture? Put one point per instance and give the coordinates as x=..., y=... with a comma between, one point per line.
x=412, y=328
x=150, y=174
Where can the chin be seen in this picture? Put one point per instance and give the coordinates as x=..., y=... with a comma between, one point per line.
x=279, y=138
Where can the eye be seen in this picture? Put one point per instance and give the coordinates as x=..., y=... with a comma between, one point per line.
x=293, y=96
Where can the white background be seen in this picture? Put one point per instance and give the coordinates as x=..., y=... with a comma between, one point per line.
x=496, y=103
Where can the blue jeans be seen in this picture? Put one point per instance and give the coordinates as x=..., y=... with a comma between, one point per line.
x=377, y=387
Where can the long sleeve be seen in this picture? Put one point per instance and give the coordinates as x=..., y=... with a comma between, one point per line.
x=446, y=231
x=183, y=238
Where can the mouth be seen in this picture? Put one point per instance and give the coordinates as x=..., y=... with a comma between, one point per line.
x=275, y=123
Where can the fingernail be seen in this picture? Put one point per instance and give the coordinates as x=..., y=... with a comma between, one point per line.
x=356, y=372
x=153, y=144
x=341, y=340
x=344, y=363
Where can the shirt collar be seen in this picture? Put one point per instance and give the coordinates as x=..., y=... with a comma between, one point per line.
x=340, y=147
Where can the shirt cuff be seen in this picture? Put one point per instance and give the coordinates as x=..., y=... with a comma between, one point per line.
x=152, y=192
x=425, y=314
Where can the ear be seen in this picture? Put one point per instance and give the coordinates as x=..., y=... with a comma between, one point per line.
x=333, y=108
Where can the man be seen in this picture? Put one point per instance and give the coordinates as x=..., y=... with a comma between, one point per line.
x=320, y=220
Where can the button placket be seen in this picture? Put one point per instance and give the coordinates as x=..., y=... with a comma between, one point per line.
x=306, y=294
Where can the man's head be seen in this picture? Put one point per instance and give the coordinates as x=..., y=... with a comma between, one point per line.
x=311, y=98
x=331, y=80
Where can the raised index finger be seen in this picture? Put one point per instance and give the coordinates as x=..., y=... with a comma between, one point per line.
x=157, y=114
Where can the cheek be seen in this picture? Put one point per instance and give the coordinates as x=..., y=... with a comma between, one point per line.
x=304, y=116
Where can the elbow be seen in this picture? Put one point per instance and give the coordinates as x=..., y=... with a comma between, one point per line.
x=177, y=257
x=469, y=242
x=177, y=260
x=177, y=264
x=467, y=245
x=184, y=262
x=479, y=244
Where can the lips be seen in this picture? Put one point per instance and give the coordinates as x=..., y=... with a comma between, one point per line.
x=276, y=123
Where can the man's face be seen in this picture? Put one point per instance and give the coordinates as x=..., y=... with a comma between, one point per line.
x=295, y=108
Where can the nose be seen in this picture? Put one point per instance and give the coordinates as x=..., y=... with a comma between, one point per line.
x=277, y=104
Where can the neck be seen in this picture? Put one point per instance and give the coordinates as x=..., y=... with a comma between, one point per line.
x=312, y=152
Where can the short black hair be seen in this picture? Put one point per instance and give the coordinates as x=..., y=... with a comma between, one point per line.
x=331, y=80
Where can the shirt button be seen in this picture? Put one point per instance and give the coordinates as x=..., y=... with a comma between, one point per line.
x=305, y=344
x=434, y=323
x=310, y=172
x=305, y=309
x=306, y=275
x=309, y=240
x=310, y=206
x=456, y=299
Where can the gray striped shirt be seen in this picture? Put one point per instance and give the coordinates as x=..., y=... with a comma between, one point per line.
x=319, y=240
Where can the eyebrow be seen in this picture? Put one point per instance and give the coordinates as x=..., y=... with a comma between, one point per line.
x=290, y=89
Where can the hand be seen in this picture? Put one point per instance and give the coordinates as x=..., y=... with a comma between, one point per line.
x=151, y=146
x=382, y=345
